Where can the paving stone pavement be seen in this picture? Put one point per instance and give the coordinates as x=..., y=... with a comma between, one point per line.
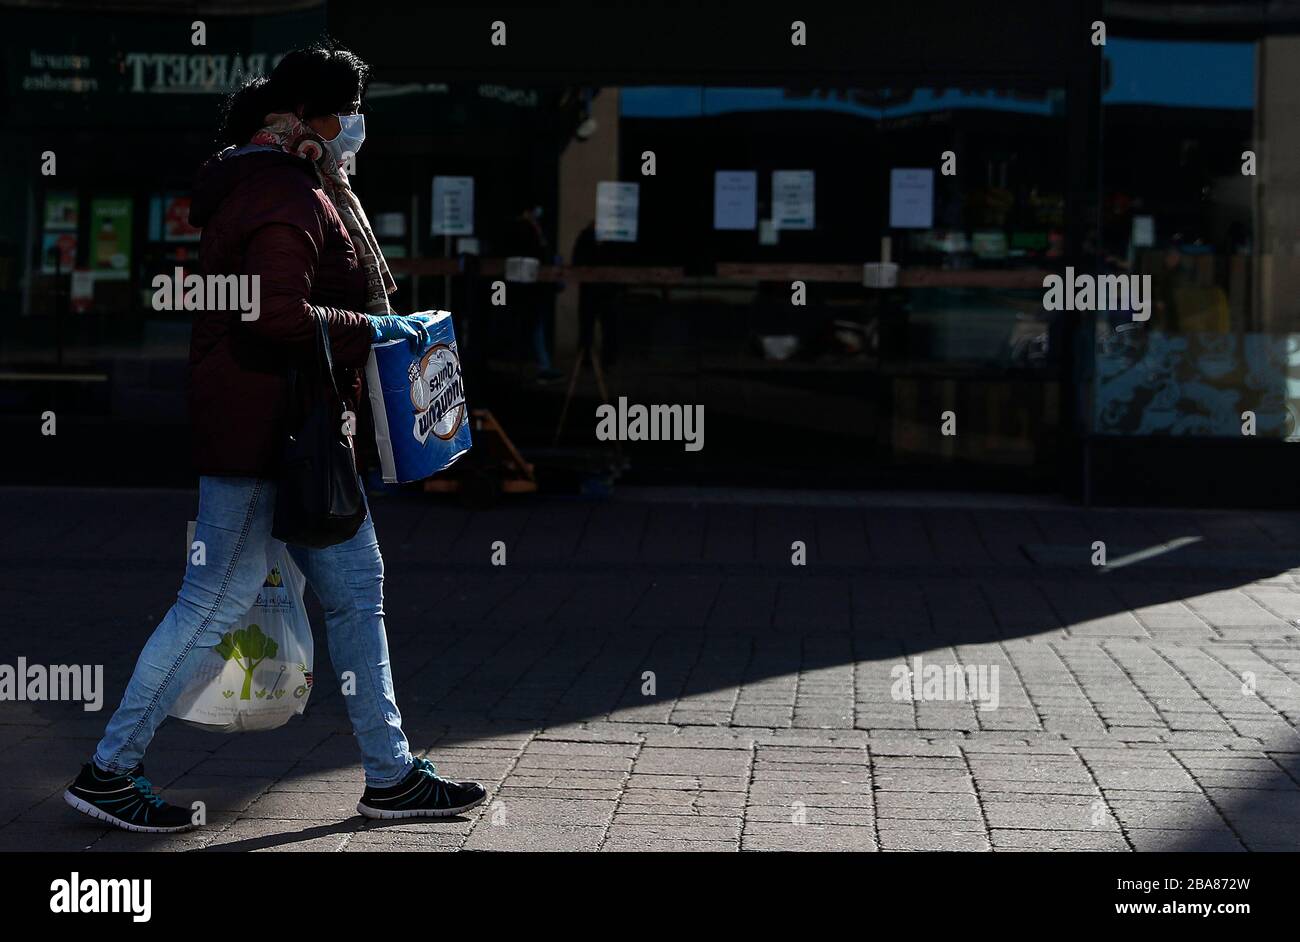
x=658, y=675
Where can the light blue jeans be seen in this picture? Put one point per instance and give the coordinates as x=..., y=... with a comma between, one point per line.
x=234, y=525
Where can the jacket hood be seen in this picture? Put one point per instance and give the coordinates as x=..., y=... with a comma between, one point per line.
x=223, y=172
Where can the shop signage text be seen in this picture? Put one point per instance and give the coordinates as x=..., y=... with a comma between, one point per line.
x=167, y=73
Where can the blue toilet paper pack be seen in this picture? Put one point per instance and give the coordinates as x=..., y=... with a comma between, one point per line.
x=418, y=403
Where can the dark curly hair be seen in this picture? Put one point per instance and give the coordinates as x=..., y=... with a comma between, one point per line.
x=324, y=78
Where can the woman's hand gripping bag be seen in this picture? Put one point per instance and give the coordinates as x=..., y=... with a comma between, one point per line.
x=260, y=673
x=418, y=403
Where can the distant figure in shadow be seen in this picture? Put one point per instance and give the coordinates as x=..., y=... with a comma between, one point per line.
x=524, y=238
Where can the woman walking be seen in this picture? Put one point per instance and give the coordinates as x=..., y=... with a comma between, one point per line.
x=276, y=204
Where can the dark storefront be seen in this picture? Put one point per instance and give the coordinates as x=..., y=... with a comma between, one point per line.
x=1065, y=154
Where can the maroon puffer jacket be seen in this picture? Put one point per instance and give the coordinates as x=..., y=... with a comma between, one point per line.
x=263, y=213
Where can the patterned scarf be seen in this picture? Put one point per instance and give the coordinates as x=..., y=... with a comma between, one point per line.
x=288, y=133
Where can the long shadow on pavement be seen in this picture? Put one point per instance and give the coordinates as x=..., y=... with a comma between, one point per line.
x=593, y=595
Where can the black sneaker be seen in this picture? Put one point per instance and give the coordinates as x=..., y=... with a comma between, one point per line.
x=126, y=800
x=422, y=794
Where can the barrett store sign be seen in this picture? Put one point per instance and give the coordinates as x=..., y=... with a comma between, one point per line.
x=152, y=72
x=60, y=67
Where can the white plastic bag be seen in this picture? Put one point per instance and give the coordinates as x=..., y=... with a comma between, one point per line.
x=259, y=675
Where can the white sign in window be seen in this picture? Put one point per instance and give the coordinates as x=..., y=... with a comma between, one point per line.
x=453, y=206
x=616, y=211
x=793, y=199
x=911, y=198
x=735, y=199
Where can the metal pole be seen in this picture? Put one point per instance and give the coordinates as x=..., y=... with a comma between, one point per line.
x=58, y=304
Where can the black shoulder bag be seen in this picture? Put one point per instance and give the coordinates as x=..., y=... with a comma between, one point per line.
x=319, y=500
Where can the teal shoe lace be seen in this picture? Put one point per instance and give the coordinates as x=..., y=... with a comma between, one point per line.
x=424, y=765
x=145, y=788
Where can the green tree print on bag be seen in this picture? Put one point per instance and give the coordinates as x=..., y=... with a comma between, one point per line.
x=247, y=647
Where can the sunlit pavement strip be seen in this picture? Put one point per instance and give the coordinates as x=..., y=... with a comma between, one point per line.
x=1154, y=707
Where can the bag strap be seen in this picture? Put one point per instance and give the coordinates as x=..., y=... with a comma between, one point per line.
x=323, y=343
x=324, y=355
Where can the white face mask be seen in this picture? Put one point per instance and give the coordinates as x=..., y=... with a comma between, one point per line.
x=352, y=133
